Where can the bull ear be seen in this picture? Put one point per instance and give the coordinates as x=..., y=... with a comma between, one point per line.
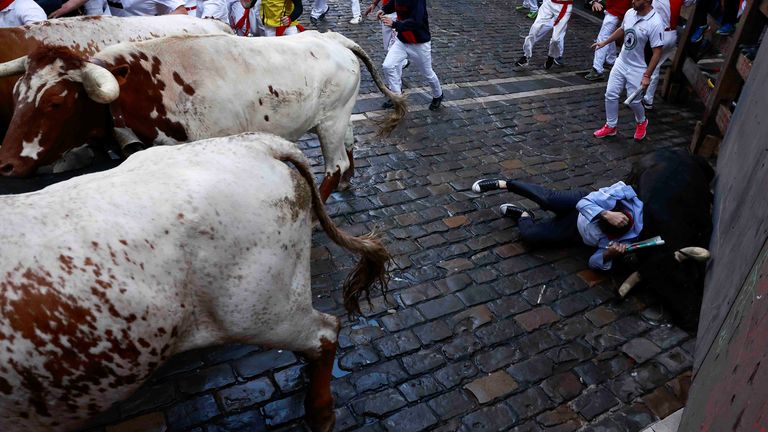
x=13, y=67
x=121, y=73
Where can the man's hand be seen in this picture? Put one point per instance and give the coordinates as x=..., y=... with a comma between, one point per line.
x=368, y=10
x=285, y=21
x=387, y=21
x=614, y=250
x=597, y=6
x=379, y=14
x=66, y=8
x=597, y=45
x=645, y=82
x=616, y=219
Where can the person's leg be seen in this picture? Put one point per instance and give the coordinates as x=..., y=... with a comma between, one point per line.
x=558, y=230
x=393, y=66
x=538, y=29
x=355, y=9
x=421, y=56
x=616, y=82
x=558, y=30
x=632, y=83
x=319, y=7
x=670, y=40
x=610, y=23
x=554, y=200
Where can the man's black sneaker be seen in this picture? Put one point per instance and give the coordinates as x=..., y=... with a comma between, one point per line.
x=388, y=104
x=559, y=61
x=485, y=185
x=550, y=61
x=322, y=15
x=436, y=102
x=522, y=61
x=647, y=106
x=407, y=63
x=513, y=212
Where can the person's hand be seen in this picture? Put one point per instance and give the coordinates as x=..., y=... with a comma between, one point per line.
x=368, y=10
x=65, y=9
x=645, y=82
x=597, y=45
x=614, y=250
x=285, y=21
x=617, y=219
x=387, y=21
x=379, y=14
x=597, y=6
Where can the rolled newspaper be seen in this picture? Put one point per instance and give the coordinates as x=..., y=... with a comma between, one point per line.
x=639, y=93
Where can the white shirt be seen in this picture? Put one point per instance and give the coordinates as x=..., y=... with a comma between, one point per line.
x=97, y=7
x=218, y=9
x=664, y=10
x=21, y=12
x=639, y=31
x=145, y=7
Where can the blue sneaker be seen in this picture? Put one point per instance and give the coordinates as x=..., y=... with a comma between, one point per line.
x=698, y=34
x=726, y=30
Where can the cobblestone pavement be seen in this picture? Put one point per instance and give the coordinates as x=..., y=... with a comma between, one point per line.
x=478, y=331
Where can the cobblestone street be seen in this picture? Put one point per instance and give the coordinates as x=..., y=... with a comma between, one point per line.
x=477, y=330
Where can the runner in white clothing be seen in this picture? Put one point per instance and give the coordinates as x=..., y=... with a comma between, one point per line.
x=641, y=27
x=14, y=13
x=124, y=8
x=554, y=14
x=92, y=7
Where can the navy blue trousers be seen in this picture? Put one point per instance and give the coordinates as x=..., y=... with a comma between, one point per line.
x=559, y=229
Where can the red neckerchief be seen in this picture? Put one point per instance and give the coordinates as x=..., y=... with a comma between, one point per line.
x=244, y=21
x=5, y=3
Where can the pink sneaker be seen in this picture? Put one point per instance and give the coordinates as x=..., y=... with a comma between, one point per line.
x=640, y=130
x=605, y=131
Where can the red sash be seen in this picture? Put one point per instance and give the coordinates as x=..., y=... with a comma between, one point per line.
x=565, y=4
x=244, y=21
x=5, y=3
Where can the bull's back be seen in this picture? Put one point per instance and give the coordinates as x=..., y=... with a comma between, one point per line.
x=233, y=84
x=101, y=272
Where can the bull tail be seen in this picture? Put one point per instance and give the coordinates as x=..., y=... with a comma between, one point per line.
x=400, y=107
x=372, y=268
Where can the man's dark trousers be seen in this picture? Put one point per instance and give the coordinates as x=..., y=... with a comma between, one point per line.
x=560, y=229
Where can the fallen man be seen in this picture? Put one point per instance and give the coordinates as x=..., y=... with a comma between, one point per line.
x=609, y=218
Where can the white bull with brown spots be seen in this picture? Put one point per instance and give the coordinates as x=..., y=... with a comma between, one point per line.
x=104, y=277
x=86, y=36
x=157, y=93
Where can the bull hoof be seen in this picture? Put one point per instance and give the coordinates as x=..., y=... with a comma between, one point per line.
x=322, y=423
x=343, y=185
x=692, y=252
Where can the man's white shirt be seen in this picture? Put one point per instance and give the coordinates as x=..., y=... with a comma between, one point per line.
x=639, y=31
x=21, y=12
x=146, y=7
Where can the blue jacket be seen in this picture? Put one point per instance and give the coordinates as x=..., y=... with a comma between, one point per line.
x=412, y=23
x=595, y=203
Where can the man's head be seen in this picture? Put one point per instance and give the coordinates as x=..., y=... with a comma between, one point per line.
x=641, y=5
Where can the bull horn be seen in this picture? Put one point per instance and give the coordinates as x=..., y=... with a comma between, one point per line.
x=628, y=284
x=13, y=67
x=100, y=84
x=692, y=252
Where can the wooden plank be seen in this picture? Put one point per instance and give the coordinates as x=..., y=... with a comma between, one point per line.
x=729, y=82
x=698, y=16
x=764, y=7
x=698, y=80
x=743, y=66
x=723, y=118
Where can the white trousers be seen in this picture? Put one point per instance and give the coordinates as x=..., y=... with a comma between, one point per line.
x=418, y=54
x=670, y=42
x=623, y=77
x=318, y=7
x=532, y=5
x=608, y=52
x=272, y=31
x=548, y=13
x=388, y=34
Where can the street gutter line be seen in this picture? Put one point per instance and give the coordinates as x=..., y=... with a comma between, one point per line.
x=377, y=114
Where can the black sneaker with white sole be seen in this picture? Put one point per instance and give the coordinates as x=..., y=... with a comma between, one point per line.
x=522, y=61
x=514, y=212
x=550, y=61
x=647, y=106
x=485, y=185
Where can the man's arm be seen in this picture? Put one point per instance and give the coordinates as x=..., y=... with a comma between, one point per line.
x=67, y=8
x=618, y=34
x=370, y=8
x=388, y=7
x=298, y=9
x=415, y=20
